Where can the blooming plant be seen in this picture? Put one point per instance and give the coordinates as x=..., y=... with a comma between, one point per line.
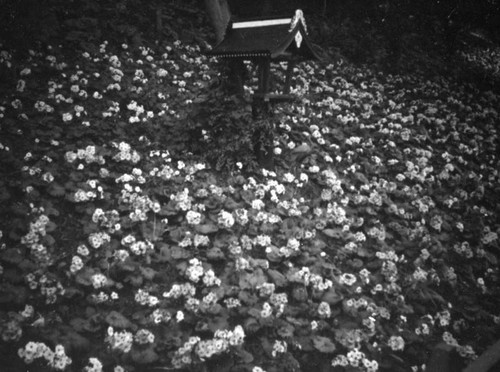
x=375, y=237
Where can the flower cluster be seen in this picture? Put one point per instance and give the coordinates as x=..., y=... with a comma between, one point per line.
x=11, y=330
x=56, y=359
x=279, y=347
x=139, y=204
x=464, y=351
x=98, y=239
x=205, y=349
x=94, y=365
x=137, y=247
x=180, y=290
x=37, y=230
x=195, y=270
x=99, y=280
x=160, y=316
x=88, y=155
x=144, y=298
x=225, y=219
x=357, y=359
x=107, y=219
x=49, y=288
x=143, y=336
x=121, y=341
x=396, y=343
x=126, y=153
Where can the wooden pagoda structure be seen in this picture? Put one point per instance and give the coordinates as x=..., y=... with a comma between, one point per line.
x=262, y=42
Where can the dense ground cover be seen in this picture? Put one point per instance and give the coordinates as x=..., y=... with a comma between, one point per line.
x=375, y=238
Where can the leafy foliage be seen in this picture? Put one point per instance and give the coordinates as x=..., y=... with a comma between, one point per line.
x=130, y=238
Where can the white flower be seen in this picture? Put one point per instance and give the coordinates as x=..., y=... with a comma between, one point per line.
x=76, y=264
x=347, y=279
x=225, y=219
x=179, y=316
x=396, y=343
x=67, y=117
x=99, y=280
x=193, y=218
x=324, y=310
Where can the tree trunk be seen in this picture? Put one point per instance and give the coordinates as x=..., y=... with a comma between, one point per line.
x=219, y=14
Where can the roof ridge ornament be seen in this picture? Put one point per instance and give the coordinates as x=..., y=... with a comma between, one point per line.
x=298, y=17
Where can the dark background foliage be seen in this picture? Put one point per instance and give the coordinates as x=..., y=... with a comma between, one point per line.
x=363, y=30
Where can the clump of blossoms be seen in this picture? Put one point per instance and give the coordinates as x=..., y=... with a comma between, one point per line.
x=279, y=347
x=183, y=356
x=125, y=153
x=193, y=217
x=351, y=338
x=160, y=316
x=107, y=219
x=205, y=349
x=139, y=204
x=180, y=290
x=182, y=201
x=99, y=280
x=356, y=359
x=143, y=337
x=209, y=279
x=464, y=351
x=11, y=330
x=56, y=359
x=102, y=297
x=48, y=287
x=89, y=155
x=324, y=310
x=144, y=298
x=396, y=343
x=225, y=219
x=37, y=230
x=195, y=270
x=138, y=248
x=94, y=366
x=98, y=239
x=120, y=341
x=81, y=195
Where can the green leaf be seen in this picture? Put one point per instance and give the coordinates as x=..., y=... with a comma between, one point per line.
x=117, y=320
x=247, y=298
x=286, y=331
x=252, y=280
x=244, y=355
x=148, y=273
x=83, y=277
x=332, y=297
x=153, y=231
x=144, y=356
x=323, y=344
x=218, y=322
x=215, y=254
x=11, y=255
x=278, y=278
x=79, y=324
x=56, y=189
x=178, y=253
x=49, y=240
x=50, y=227
x=333, y=233
x=207, y=228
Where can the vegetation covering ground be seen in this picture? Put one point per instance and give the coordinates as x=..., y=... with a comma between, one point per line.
x=138, y=234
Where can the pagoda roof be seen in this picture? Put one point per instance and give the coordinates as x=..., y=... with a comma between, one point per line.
x=278, y=39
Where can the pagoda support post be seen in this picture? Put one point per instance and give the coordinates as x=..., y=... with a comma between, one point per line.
x=288, y=78
x=263, y=139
